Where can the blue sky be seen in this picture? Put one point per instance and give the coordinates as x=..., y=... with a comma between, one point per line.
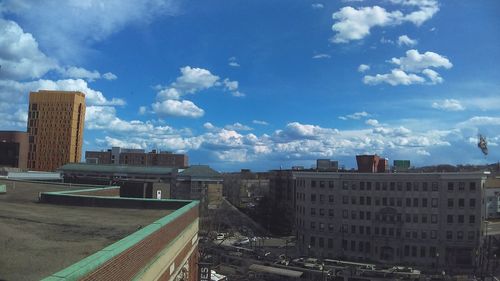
x=263, y=84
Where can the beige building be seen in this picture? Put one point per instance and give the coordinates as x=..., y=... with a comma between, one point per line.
x=55, y=129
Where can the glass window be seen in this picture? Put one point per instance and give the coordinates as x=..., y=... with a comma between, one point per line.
x=450, y=202
x=449, y=219
x=472, y=219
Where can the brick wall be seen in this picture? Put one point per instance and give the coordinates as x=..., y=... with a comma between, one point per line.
x=128, y=263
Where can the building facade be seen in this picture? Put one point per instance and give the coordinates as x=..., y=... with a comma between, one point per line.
x=136, y=157
x=13, y=149
x=199, y=182
x=425, y=219
x=245, y=188
x=55, y=129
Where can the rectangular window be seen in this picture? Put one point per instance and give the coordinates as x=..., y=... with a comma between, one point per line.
x=313, y=211
x=399, y=202
x=449, y=235
x=368, y=201
x=330, y=212
x=369, y=186
x=408, y=202
x=470, y=235
x=313, y=183
x=330, y=227
x=368, y=215
x=435, y=186
x=450, y=202
x=345, y=185
x=423, y=234
x=415, y=218
x=433, y=218
x=472, y=203
x=321, y=198
x=413, y=251
x=353, y=200
x=330, y=184
x=361, y=200
x=353, y=215
x=321, y=184
x=415, y=202
x=400, y=186
x=433, y=234
x=472, y=219
x=424, y=218
x=450, y=186
x=460, y=218
x=361, y=229
x=330, y=198
x=425, y=186
x=461, y=186
x=407, y=250
x=434, y=202
x=322, y=212
x=461, y=203
x=345, y=200
x=313, y=225
x=321, y=227
x=472, y=186
x=330, y=243
x=313, y=197
x=424, y=202
x=353, y=229
x=345, y=214
x=460, y=235
x=312, y=241
x=449, y=219
x=422, y=251
x=407, y=218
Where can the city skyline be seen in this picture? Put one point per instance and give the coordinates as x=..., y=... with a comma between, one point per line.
x=265, y=84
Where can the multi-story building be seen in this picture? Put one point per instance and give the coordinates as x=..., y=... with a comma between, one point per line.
x=136, y=157
x=245, y=188
x=426, y=219
x=13, y=149
x=55, y=129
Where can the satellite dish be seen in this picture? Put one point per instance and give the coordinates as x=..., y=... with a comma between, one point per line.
x=483, y=144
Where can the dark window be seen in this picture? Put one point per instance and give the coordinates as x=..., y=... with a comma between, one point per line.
x=313, y=183
x=472, y=203
x=472, y=186
x=449, y=219
x=472, y=219
x=450, y=186
x=450, y=203
x=461, y=203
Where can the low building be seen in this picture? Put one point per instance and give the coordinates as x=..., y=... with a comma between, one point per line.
x=136, y=157
x=14, y=149
x=93, y=234
x=136, y=181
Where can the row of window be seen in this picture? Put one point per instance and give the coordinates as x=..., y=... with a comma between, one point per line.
x=389, y=186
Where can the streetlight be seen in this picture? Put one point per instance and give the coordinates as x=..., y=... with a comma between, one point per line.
x=437, y=260
x=309, y=250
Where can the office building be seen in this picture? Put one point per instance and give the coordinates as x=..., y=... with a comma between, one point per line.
x=136, y=157
x=245, y=189
x=13, y=149
x=423, y=219
x=55, y=129
x=199, y=182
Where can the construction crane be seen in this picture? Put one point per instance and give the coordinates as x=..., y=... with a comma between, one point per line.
x=483, y=144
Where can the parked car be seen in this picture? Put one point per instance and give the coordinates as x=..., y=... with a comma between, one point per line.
x=242, y=241
x=220, y=236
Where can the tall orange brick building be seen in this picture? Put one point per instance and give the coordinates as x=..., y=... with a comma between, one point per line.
x=55, y=129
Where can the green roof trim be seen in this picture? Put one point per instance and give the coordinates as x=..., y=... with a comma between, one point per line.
x=94, y=261
x=122, y=169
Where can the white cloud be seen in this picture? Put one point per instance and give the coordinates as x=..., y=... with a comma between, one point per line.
x=363, y=67
x=415, y=61
x=143, y=110
x=433, y=76
x=238, y=127
x=355, y=116
x=182, y=108
x=317, y=6
x=232, y=62
x=230, y=85
x=355, y=23
x=480, y=121
x=194, y=79
x=396, y=77
x=372, y=122
x=410, y=66
x=20, y=57
x=109, y=76
x=448, y=105
x=168, y=94
x=260, y=122
x=80, y=24
x=321, y=56
x=208, y=126
x=79, y=72
x=404, y=40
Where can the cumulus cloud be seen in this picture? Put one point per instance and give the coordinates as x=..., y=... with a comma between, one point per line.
x=355, y=116
x=415, y=61
x=448, y=105
x=396, y=77
x=372, y=122
x=232, y=86
x=238, y=127
x=182, y=108
x=72, y=35
x=410, y=66
x=317, y=6
x=363, y=67
x=20, y=57
x=356, y=23
x=404, y=40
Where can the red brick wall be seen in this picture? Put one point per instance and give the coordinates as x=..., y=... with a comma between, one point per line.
x=127, y=264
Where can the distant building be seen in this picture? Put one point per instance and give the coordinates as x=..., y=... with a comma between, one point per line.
x=327, y=165
x=245, y=188
x=136, y=157
x=55, y=129
x=401, y=165
x=372, y=164
x=14, y=149
x=199, y=182
x=136, y=181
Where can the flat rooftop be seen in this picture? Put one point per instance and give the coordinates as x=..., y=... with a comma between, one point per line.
x=39, y=239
